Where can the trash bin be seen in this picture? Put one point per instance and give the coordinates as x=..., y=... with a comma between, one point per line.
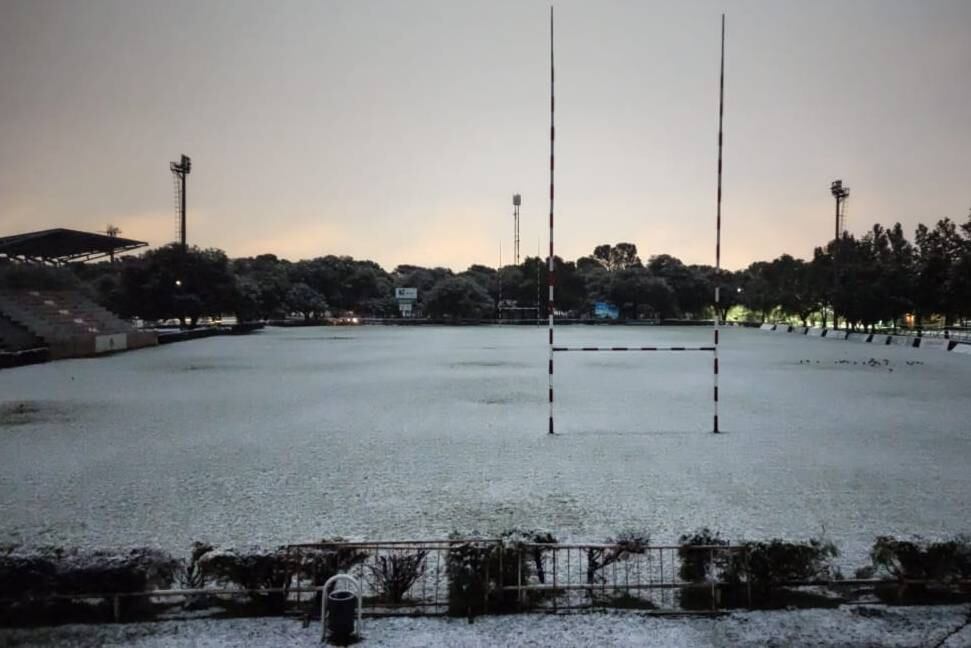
x=341, y=610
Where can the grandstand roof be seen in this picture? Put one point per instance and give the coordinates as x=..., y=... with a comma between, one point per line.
x=61, y=245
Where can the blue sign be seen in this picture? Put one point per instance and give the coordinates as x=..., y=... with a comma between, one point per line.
x=604, y=310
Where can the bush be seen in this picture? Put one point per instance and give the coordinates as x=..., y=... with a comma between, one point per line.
x=626, y=544
x=466, y=565
x=41, y=572
x=765, y=567
x=54, y=570
x=394, y=574
x=945, y=561
x=696, y=564
x=250, y=568
x=256, y=568
x=478, y=571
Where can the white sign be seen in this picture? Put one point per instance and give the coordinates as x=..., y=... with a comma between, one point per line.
x=406, y=294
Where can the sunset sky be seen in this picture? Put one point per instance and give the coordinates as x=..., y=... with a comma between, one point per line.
x=398, y=131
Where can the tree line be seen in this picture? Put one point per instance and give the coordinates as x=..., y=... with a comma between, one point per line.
x=880, y=278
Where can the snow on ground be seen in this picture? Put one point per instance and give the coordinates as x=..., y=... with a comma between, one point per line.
x=395, y=432
x=845, y=627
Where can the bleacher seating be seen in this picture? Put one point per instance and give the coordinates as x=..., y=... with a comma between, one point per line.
x=14, y=337
x=69, y=323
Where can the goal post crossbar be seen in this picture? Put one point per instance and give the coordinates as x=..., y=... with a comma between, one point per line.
x=652, y=348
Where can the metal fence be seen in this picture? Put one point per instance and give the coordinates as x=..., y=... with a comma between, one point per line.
x=488, y=576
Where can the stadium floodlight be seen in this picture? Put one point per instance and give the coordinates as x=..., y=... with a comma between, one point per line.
x=180, y=170
x=840, y=192
x=517, y=200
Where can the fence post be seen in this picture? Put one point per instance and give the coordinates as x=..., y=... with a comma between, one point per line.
x=501, y=593
x=116, y=608
x=485, y=586
x=555, y=597
x=660, y=556
x=519, y=578
x=748, y=577
x=711, y=558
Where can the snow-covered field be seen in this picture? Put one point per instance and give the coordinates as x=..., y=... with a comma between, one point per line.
x=848, y=627
x=402, y=432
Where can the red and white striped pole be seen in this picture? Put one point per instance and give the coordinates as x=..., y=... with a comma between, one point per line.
x=718, y=216
x=551, y=276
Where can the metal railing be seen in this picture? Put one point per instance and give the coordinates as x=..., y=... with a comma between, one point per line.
x=482, y=576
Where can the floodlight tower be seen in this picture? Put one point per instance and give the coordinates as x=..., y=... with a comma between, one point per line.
x=180, y=170
x=517, y=200
x=840, y=193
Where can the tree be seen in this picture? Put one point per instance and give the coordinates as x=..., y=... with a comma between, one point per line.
x=758, y=294
x=633, y=288
x=172, y=282
x=730, y=290
x=959, y=281
x=938, y=250
x=692, y=292
x=899, y=273
x=265, y=281
x=488, y=279
x=617, y=257
x=305, y=300
x=458, y=297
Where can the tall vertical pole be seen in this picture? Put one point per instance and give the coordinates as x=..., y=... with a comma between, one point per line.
x=182, y=207
x=515, y=217
x=836, y=236
x=538, y=257
x=499, y=279
x=551, y=269
x=718, y=218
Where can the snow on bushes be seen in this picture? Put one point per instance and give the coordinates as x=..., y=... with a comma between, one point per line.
x=947, y=562
x=42, y=572
x=477, y=570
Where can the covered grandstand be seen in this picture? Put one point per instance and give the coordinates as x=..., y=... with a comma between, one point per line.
x=60, y=246
x=40, y=324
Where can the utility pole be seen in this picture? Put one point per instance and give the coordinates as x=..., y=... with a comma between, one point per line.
x=180, y=170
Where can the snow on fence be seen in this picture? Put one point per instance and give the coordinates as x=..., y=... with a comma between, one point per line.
x=801, y=330
x=767, y=327
x=835, y=334
x=858, y=337
x=962, y=348
x=782, y=328
x=815, y=331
